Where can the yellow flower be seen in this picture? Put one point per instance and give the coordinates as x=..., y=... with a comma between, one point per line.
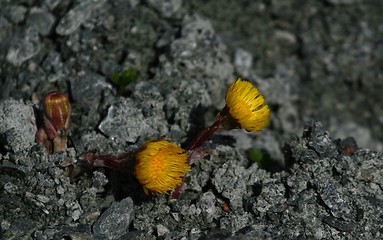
x=160, y=166
x=246, y=106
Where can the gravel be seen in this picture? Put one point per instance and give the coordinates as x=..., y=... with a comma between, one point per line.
x=315, y=63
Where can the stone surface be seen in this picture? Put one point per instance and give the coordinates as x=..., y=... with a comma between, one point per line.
x=24, y=45
x=17, y=125
x=115, y=221
x=41, y=20
x=76, y=16
x=312, y=60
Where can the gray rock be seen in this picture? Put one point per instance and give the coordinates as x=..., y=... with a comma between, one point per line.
x=115, y=221
x=87, y=87
x=307, y=65
x=78, y=15
x=333, y=199
x=75, y=232
x=109, y=67
x=167, y=8
x=162, y=230
x=199, y=52
x=124, y=122
x=41, y=20
x=234, y=223
x=217, y=234
x=243, y=61
x=54, y=67
x=207, y=203
x=5, y=29
x=52, y=4
x=15, y=13
x=20, y=228
x=25, y=44
x=319, y=140
x=141, y=117
x=17, y=125
x=232, y=179
x=343, y=1
x=339, y=224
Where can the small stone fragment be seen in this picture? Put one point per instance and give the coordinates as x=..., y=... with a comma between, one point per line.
x=166, y=7
x=88, y=87
x=17, y=125
x=124, y=122
x=78, y=15
x=15, y=14
x=348, y=146
x=333, y=199
x=115, y=221
x=24, y=45
x=243, y=61
x=207, y=203
x=41, y=20
x=338, y=224
x=162, y=230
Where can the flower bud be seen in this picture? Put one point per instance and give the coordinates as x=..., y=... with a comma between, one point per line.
x=57, y=111
x=42, y=138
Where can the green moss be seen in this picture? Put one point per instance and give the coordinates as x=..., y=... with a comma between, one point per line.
x=122, y=79
x=261, y=158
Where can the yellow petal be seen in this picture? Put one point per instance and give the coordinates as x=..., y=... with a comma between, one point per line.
x=247, y=106
x=160, y=166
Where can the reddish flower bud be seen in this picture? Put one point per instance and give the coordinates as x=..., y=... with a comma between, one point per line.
x=42, y=138
x=57, y=111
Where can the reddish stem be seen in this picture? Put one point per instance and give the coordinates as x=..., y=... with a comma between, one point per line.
x=109, y=161
x=207, y=133
x=176, y=193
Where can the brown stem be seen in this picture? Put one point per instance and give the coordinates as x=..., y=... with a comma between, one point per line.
x=207, y=133
x=109, y=161
x=176, y=193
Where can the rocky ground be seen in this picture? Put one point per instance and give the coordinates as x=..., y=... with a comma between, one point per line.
x=319, y=170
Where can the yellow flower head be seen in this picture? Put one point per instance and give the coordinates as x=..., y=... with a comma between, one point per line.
x=160, y=166
x=246, y=106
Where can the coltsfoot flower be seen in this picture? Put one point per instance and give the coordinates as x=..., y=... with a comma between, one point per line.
x=247, y=106
x=161, y=166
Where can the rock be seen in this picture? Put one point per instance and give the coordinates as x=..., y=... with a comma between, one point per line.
x=5, y=29
x=243, y=61
x=167, y=8
x=17, y=125
x=124, y=122
x=339, y=224
x=141, y=117
x=207, y=203
x=227, y=181
x=162, y=230
x=41, y=20
x=333, y=199
x=54, y=67
x=15, y=13
x=319, y=140
x=25, y=44
x=115, y=221
x=87, y=88
x=78, y=15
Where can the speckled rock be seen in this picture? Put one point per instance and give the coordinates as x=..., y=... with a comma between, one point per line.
x=115, y=221
x=17, y=125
